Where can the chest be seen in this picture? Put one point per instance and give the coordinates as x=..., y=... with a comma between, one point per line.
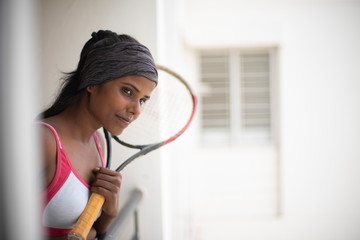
x=84, y=158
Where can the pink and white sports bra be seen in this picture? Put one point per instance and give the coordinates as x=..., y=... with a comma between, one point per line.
x=67, y=195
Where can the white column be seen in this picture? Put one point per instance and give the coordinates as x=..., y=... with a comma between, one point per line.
x=19, y=169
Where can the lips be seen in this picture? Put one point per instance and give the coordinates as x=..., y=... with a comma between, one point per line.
x=124, y=120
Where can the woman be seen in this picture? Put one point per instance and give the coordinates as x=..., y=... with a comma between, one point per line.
x=114, y=78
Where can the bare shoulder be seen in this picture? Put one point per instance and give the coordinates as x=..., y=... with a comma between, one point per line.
x=48, y=144
x=48, y=141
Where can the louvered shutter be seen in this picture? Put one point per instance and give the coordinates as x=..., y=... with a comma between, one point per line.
x=215, y=112
x=255, y=91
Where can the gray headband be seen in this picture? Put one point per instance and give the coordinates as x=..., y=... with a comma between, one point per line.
x=117, y=60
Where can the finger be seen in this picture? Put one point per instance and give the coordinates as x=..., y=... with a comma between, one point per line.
x=107, y=179
x=113, y=179
x=109, y=175
x=106, y=171
x=109, y=195
x=92, y=234
x=110, y=186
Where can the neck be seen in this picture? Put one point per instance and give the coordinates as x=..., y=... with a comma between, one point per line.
x=77, y=122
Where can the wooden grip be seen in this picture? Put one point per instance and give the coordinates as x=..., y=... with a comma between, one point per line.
x=87, y=218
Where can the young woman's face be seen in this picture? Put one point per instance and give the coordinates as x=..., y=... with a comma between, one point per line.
x=116, y=103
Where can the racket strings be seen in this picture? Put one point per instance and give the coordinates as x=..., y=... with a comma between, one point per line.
x=165, y=114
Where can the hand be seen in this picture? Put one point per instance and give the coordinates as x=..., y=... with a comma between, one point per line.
x=107, y=183
x=92, y=234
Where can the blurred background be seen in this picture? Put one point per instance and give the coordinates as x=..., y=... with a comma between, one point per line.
x=274, y=152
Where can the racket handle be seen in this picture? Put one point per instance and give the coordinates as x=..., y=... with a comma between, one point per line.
x=87, y=218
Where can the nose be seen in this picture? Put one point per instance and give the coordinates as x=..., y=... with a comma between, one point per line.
x=135, y=108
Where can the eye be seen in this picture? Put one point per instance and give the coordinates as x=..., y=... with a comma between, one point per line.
x=143, y=101
x=127, y=91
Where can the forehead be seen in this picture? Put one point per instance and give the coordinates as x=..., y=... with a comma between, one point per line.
x=141, y=84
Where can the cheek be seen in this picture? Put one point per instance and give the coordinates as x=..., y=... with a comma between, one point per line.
x=98, y=106
x=105, y=99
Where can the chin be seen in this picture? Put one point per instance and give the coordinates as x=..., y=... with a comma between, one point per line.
x=116, y=132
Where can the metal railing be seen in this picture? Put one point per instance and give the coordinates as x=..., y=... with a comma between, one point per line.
x=125, y=213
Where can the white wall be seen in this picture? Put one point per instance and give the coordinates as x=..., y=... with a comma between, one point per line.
x=319, y=59
x=66, y=26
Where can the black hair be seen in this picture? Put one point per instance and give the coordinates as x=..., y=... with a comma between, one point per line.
x=69, y=93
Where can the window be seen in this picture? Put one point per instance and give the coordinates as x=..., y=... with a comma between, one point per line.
x=237, y=100
x=241, y=179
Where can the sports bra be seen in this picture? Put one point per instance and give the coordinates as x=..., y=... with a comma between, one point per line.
x=67, y=195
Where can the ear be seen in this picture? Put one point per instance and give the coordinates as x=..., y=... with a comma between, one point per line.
x=90, y=89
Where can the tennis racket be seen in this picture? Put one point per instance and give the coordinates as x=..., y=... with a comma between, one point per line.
x=163, y=119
